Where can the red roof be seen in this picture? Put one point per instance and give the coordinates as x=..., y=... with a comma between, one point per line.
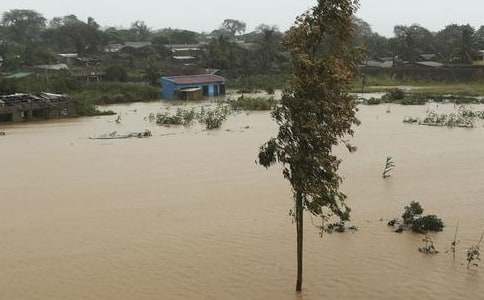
x=196, y=79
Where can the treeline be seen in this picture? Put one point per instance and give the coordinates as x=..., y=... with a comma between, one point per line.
x=454, y=44
x=27, y=38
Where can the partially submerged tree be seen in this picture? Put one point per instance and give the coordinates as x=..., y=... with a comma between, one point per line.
x=474, y=254
x=316, y=112
x=389, y=165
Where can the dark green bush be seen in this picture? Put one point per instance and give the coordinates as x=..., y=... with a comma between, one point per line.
x=411, y=212
x=394, y=95
x=427, y=223
x=373, y=101
x=116, y=73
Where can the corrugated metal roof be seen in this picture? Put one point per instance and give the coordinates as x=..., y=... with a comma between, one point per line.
x=432, y=64
x=195, y=79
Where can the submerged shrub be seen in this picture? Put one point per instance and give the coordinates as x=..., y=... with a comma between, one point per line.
x=253, y=103
x=412, y=219
x=373, y=101
x=214, y=118
x=181, y=117
x=427, y=223
x=394, y=95
x=412, y=212
x=414, y=100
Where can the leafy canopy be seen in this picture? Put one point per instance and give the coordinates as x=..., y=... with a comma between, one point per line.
x=316, y=111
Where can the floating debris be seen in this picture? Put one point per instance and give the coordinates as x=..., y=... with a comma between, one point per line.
x=410, y=120
x=118, y=119
x=115, y=136
x=3, y=133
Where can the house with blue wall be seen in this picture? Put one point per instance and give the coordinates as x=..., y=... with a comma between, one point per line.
x=210, y=85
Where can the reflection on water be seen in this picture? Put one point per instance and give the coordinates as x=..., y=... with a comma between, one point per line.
x=187, y=214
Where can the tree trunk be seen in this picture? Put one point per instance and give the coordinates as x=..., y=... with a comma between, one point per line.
x=299, y=229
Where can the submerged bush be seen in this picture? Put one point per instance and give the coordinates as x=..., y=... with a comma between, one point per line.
x=414, y=100
x=373, y=101
x=412, y=219
x=394, y=95
x=427, y=223
x=253, y=103
x=411, y=212
x=214, y=118
x=181, y=117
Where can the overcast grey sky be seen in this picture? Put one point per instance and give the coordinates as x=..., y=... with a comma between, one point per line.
x=205, y=15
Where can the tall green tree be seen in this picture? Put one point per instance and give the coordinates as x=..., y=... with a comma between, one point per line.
x=412, y=41
x=456, y=43
x=23, y=26
x=316, y=112
x=269, y=49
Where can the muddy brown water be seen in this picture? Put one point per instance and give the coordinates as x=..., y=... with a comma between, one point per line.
x=187, y=214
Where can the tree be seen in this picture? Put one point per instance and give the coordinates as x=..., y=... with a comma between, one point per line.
x=71, y=34
x=141, y=31
x=269, y=47
x=412, y=41
x=479, y=38
x=315, y=113
x=23, y=26
x=456, y=43
x=116, y=73
x=234, y=26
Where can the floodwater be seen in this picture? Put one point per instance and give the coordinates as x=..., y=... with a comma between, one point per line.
x=187, y=214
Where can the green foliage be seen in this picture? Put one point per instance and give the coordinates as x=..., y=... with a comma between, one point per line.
x=214, y=118
x=414, y=100
x=427, y=223
x=253, y=103
x=23, y=26
x=59, y=82
x=412, y=212
x=110, y=93
x=373, y=101
x=413, y=219
x=394, y=94
x=234, y=26
x=316, y=112
x=87, y=107
x=116, y=73
x=249, y=84
x=181, y=117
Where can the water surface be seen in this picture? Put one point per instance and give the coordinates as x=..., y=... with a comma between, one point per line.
x=187, y=214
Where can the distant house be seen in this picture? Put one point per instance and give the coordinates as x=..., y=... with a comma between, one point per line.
x=115, y=48
x=479, y=58
x=427, y=57
x=56, y=67
x=22, y=107
x=136, y=45
x=67, y=58
x=379, y=64
x=429, y=64
x=174, y=87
